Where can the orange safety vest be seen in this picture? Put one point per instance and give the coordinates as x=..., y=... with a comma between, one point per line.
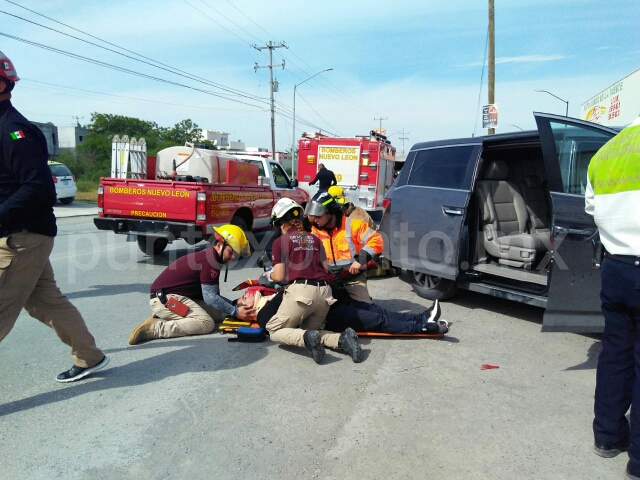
x=344, y=243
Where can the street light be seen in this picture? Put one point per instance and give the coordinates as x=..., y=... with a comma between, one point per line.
x=293, y=140
x=566, y=114
x=521, y=129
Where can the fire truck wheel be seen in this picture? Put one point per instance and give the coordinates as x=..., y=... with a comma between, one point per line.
x=152, y=245
x=239, y=222
x=432, y=287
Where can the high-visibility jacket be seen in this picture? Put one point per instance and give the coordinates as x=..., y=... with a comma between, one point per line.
x=613, y=191
x=354, y=240
x=360, y=213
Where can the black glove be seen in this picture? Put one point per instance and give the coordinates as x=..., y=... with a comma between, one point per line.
x=264, y=261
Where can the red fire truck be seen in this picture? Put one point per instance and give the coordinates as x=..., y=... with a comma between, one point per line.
x=363, y=165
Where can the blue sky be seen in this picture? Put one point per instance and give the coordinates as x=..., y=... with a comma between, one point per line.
x=417, y=63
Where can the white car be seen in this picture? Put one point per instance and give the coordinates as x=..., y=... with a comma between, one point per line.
x=65, y=182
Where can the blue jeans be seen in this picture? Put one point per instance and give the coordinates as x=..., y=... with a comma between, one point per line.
x=369, y=317
x=618, y=372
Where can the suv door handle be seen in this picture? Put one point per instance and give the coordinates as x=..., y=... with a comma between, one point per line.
x=451, y=210
x=573, y=231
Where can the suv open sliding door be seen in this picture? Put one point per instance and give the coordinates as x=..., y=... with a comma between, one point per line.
x=573, y=303
x=428, y=211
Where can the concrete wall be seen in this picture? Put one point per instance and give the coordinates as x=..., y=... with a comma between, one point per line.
x=50, y=132
x=71, y=137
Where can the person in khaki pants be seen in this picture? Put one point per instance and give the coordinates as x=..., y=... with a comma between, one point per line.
x=298, y=258
x=185, y=298
x=27, y=229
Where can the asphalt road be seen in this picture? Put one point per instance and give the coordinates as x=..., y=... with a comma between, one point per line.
x=204, y=408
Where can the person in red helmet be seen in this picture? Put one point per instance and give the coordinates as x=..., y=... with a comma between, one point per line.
x=27, y=230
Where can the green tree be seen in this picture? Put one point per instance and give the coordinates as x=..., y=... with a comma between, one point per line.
x=184, y=131
x=94, y=154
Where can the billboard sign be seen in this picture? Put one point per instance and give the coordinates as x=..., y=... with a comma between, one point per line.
x=490, y=115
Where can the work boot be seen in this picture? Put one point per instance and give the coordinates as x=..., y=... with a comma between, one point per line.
x=314, y=344
x=144, y=332
x=348, y=343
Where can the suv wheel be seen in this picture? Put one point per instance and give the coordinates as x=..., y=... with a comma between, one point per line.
x=67, y=201
x=432, y=287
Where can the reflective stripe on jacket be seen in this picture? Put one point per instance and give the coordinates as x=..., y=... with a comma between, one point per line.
x=345, y=243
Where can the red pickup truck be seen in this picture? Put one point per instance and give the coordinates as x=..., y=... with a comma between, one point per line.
x=157, y=212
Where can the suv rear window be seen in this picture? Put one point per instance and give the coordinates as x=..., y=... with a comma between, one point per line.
x=441, y=167
x=60, y=171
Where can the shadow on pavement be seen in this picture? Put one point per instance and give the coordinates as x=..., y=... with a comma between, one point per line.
x=105, y=290
x=474, y=300
x=592, y=358
x=200, y=355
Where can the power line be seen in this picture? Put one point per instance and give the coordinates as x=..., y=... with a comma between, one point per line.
x=126, y=70
x=170, y=69
x=134, y=98
x=348, y=98
x=231, y=21
x=325, y=121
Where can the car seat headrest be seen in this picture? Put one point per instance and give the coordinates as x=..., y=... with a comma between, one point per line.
x=497, y=170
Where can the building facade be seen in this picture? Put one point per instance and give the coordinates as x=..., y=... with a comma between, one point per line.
x=50, y=132
x=71, y=137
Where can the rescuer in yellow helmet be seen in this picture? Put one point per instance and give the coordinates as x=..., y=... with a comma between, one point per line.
x=349, y=209
x=185, y=298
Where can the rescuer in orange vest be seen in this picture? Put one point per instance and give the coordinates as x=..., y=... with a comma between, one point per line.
x=349, y=209
x=348, y=242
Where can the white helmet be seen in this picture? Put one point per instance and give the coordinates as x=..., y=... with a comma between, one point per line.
x=285, y=209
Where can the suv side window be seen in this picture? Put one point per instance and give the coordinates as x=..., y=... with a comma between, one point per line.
x=444, y=167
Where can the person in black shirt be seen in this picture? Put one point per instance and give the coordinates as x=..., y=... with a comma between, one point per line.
x=325, y=177
x=27, y=229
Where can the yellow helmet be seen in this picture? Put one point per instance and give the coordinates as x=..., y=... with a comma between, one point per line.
x=337, y=193
x=233, y=236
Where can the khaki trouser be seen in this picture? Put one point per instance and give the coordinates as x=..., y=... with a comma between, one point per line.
x=357, y=288
x=304, y=307
x=200, y=320
x=27, y=280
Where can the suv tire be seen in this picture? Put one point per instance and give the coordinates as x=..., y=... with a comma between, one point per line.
x=431, y=287
x=67, y=201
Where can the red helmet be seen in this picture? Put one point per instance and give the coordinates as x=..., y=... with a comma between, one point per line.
x=7, y=70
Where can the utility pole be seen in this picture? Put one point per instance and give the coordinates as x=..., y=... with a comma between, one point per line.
x=381, y=118
x=271, y=46
x=403, y=138
x=492, y=63
x=77, y=120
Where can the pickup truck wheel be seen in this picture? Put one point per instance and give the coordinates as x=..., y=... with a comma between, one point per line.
x=239, y=222
x=432, y=287
x=152, y=246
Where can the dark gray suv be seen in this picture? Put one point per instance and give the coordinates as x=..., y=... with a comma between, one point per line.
x=502, y=215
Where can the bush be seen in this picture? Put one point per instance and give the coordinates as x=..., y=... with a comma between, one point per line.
x=87, y=185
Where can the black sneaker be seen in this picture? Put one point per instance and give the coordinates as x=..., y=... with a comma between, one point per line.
x=348, y=343
x=432, y=314
x=76, y=373
x=314, y=344
x=439, y=327
x=612, y=451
